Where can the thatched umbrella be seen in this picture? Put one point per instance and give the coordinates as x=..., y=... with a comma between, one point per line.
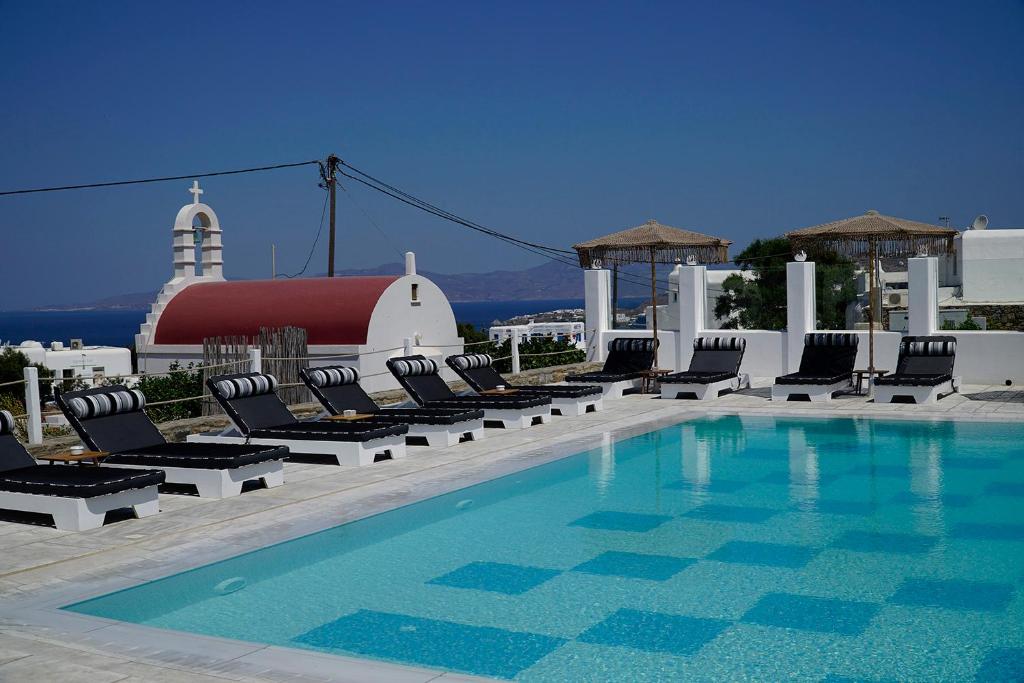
x=655, y=243
x=871, y=237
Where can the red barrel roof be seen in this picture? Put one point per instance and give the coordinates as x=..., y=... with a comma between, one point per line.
x=331, y=310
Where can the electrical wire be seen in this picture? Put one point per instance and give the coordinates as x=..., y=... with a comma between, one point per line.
x=312, y=249
x=158, y=180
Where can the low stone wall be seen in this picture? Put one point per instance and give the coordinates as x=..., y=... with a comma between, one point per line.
x=177, y=430
x=1009, y=318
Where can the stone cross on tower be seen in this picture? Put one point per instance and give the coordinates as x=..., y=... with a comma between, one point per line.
x=195, y=191
x=197, y=221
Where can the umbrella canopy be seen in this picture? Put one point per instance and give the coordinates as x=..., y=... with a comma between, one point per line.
x=663, y=243
x=875, y=235
x=871, y=237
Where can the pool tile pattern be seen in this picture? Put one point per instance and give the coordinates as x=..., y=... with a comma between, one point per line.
x=764, y=554
x=654, y=632
x=732, y=513
x=956, y=595
x=714, y=486
x=488, y=651
x=635, y=565
x=496, y=577
x=621, y=521
x=880, y=542
x=812, y=614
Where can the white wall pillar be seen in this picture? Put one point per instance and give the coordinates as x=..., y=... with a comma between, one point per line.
x=255, y=360
x=597, y=288
x=34, y=421
x=692, y=302
x=923, y=305
x=514, y=345
x=801, y=309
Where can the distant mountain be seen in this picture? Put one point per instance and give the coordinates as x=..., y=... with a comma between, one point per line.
x=551, y=280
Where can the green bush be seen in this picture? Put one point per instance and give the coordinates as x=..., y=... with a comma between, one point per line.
x=967, y=325
x=180, y=382
x=12, y=368
x=470, y=334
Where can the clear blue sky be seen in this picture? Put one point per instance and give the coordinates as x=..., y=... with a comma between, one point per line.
x=553, y=121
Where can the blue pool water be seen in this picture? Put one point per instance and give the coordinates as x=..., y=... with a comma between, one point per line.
x=717, y=549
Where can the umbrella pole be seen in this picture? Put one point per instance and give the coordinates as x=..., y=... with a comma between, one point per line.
x=615, y=294
x=872, y=316
x=654, y=310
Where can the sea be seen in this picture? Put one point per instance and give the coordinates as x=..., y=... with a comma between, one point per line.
x=118, y=327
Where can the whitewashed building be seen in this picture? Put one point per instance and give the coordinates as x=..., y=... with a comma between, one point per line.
x=572, y=332
x=356, y=321
x=77, y=361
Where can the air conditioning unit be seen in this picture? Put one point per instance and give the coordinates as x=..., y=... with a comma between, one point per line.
x=76, y=344
x=896, y=299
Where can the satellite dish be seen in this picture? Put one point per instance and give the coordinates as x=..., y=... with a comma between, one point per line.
x=980, y=222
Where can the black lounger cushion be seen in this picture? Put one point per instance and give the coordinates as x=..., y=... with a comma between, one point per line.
x=798, y=378
x=628, y=359
x=77, y=482
x=512, y=402
x=418, y=376
x=110, y=418
x=13, y=455
x=478, y=371
x=210, y=456
x=428, y=416
x=697, y=377
x=913, y=380
x=331, y=431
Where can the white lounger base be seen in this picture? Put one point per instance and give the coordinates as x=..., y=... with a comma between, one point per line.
x=346, y=452
x=516, y=419
x=442, y=436
x=211, y=483
x=884, y=393
x=816, y=392
x=574, y=407
x=80, y=514
x=613, y=389
x=705, y=392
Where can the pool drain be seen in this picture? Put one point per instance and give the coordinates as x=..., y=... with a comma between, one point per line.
x=228, y=586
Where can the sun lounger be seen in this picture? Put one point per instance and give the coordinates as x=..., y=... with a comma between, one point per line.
x=826, y=366
x=259, y=416
x=337, y=388
x=624, y=369
x=418, y=376
x=77, y=498
x=714, y=370
x=924, y=371
x=477, y=370
x=112, y=419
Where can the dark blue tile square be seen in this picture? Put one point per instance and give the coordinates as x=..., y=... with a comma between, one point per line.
x=714, y=486
x=764, y=554
x=654, y=632
x=988, y=532
x=957, y=595
x=844, y=507
x=812, y=614
x=732, y=513
x=952, y=500
x=888, y=471
x=610, y=520
x=498, y=578
x=789, y=479
x=477, y=650
x=1006, y=488
x=635, y=565
x=878, y=542
x=972, y=463
x=1002, y=664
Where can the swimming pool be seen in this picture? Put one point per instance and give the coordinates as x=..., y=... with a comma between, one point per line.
x=720, y=548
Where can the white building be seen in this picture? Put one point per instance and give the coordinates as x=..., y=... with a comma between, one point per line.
x=77, y=361
x=573, y=332
x=356, y=321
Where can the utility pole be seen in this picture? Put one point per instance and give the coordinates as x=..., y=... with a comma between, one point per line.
x=332, y=185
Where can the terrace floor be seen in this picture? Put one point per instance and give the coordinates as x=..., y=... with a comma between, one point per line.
x=42, y=568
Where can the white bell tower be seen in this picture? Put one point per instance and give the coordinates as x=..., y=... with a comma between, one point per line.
x=212, y=265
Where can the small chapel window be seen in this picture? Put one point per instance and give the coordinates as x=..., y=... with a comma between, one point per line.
x=415, y=293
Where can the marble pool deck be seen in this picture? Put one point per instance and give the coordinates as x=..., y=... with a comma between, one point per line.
x=42, y=569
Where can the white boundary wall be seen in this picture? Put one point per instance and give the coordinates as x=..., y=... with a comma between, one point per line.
x=982, y=357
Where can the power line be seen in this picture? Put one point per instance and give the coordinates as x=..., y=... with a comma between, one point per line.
x=315, y=240
x=159, y=180
x=371, y=221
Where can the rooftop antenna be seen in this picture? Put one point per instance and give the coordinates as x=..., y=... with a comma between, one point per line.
x=944, y=220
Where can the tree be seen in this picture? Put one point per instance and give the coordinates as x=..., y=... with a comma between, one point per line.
x=760, y=303
x=12, y=368
x=469, y=333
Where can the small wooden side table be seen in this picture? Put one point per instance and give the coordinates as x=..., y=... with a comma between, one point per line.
x=349, y=418
x=82, y=458
x=651, y=378
x=498, y=392
x=859, y=378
